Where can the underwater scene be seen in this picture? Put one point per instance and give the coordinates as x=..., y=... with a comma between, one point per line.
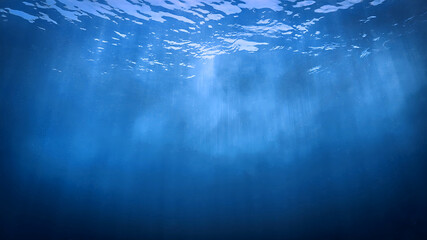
x=213, y=119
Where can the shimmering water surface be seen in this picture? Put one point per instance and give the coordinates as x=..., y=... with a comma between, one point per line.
x=213, y=119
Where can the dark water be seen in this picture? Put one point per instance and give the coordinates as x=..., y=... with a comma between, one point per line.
x=128, y=119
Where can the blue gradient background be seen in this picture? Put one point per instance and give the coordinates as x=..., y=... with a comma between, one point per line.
x=253, y=147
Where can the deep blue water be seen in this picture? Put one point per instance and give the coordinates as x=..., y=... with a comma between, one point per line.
x=211, y=119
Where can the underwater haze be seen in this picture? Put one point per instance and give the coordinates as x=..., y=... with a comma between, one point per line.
x=213, y=119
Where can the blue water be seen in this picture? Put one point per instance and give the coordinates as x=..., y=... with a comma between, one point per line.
x=213, y=119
